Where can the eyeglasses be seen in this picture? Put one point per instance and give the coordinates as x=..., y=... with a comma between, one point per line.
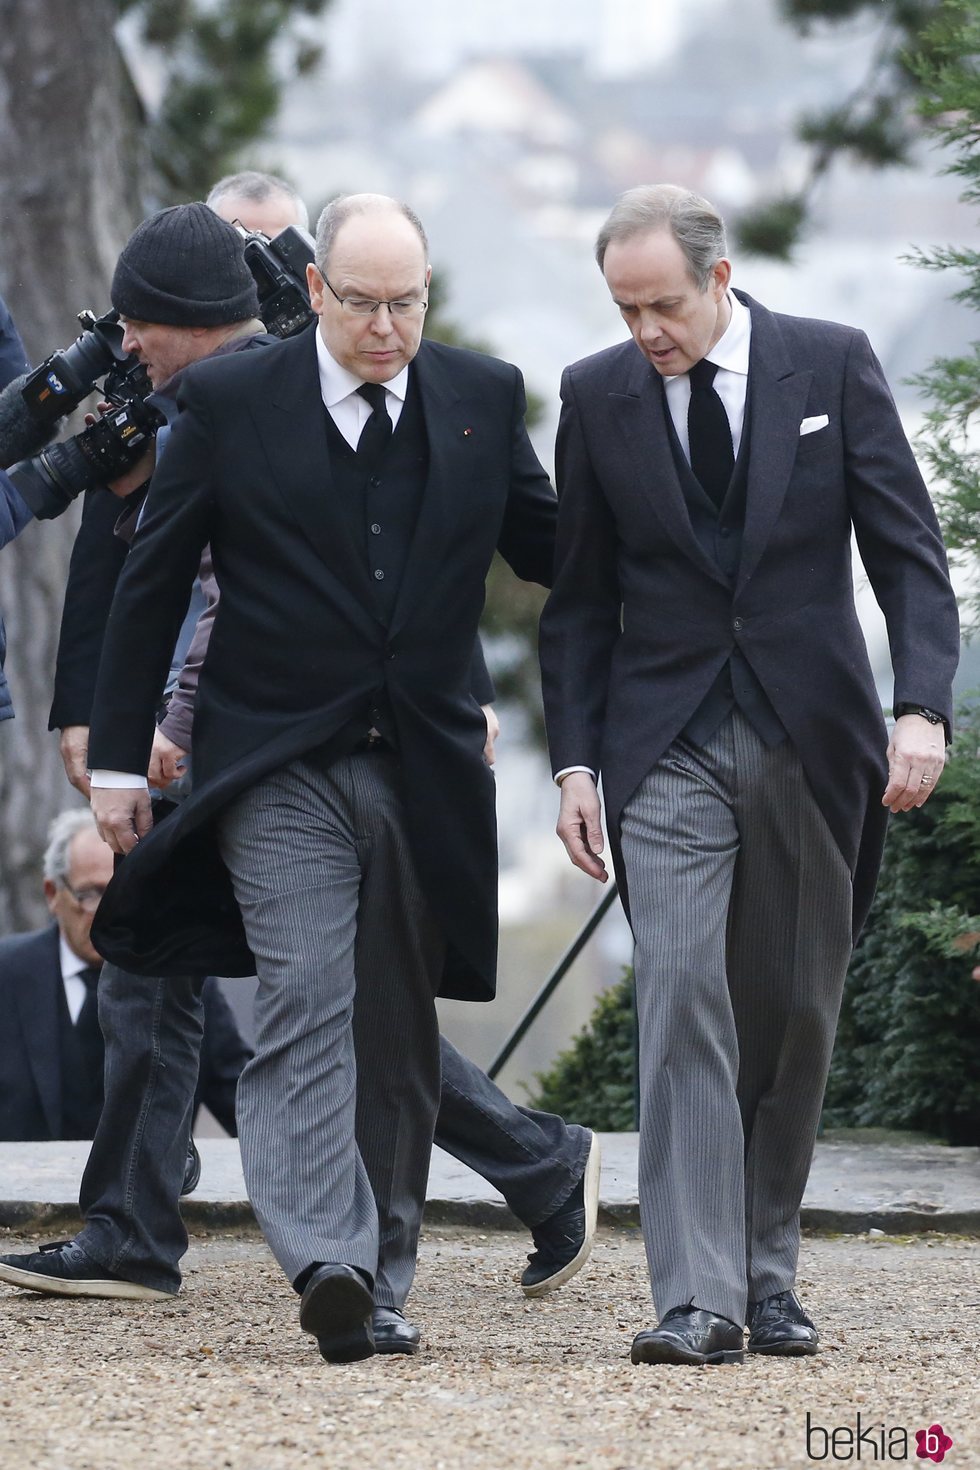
x=86, y=898
x=364, y=306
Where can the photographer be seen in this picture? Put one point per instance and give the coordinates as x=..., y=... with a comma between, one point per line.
x=183, y=293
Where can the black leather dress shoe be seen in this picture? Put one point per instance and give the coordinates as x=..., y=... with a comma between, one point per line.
x=392, y=1334
x=779, y=1325
x=687, y=1335
x=336, y=1308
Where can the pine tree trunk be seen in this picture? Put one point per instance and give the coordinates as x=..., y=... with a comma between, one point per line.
x=70, y=127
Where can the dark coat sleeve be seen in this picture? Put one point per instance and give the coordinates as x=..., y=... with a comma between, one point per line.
x=527, y=536
x=96, y=560
x=898, y=537
x=581, y=622
x=481, y=683
x=154, y=591
x=223, y=1055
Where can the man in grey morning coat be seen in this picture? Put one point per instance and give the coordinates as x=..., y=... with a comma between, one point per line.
x=702, y=651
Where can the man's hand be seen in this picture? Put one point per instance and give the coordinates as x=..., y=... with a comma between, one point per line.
x=122, y=815
x=493, y=730
x=74, y=753
x=580, y=824
x=138, y=473
x=166, y=761
x=916, y=757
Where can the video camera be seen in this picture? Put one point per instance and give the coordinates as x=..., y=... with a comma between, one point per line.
x=278, y=267
x=109, y=447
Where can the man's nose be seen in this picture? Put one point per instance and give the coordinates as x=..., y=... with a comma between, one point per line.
x=650, y=329
x=381, y=320
x=130, y=341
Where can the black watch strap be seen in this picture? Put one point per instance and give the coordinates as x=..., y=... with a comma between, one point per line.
x=933, y=716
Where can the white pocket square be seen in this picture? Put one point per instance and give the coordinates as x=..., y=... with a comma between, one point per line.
x=810, y=426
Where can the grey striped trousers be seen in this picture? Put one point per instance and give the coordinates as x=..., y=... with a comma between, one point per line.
x=337, y=1108
x=741, y=912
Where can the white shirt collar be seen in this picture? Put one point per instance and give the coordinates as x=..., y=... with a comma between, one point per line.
x=731, y=351
x=71, y=963
x=337, y=383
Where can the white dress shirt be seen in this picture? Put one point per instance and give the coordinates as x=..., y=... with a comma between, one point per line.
x=338, y=388
x=71, y=977
x=730, y=354
x=350, y=412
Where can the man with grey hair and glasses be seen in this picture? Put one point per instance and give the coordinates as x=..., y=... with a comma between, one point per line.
x=701, y=651
x=353, y=489
x=51, y=1045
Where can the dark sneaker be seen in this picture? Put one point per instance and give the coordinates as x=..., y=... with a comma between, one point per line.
x=63, y=1269
x=563, y=1242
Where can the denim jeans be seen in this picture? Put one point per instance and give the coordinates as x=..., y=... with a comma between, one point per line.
x=131, y=1185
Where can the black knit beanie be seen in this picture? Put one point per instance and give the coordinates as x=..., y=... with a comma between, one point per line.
x=184, y=267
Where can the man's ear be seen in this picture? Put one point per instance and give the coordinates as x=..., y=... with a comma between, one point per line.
x=721, y=275
x=50, y=893
x=314, y=284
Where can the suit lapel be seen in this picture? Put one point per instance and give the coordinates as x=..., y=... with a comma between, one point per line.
x=642, y=416
x=293, y=430
x=777, y=398
x=38, y=1002
x=445, y=415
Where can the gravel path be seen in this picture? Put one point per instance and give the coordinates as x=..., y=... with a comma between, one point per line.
x=222, y=1379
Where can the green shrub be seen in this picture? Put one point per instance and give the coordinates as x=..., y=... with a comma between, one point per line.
x=909, y=1034
x=592, y=1082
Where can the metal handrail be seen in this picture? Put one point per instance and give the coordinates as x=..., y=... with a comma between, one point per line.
x=554, y=979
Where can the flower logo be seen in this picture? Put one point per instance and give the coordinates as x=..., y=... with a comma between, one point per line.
x=932, y=1443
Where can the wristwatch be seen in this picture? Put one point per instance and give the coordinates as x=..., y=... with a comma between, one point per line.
x=931, y=715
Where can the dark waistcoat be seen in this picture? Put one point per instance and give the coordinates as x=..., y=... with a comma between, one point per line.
x=720, y=533
x=382, y=501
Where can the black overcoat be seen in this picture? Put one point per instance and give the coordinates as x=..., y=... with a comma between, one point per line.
x=640, y=619
x=297, y=651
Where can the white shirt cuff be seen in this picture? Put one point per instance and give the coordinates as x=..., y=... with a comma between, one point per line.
x=118, y=781
x=567, y=771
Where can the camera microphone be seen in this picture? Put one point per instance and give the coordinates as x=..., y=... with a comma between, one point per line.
x=21, y=435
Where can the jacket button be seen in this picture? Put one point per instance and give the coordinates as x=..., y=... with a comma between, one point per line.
x=375, y=529
x=738, y=625
x=379, y=576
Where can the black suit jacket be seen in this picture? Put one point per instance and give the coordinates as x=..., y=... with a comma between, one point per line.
x=297, y=652
x=640, y=619
x=30, y=1059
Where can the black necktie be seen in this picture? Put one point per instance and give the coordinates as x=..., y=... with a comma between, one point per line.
x=709, y=433
x=87, y=1021
x=377, y=430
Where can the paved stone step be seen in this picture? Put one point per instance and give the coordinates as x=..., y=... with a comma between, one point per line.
x=899, y=1187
